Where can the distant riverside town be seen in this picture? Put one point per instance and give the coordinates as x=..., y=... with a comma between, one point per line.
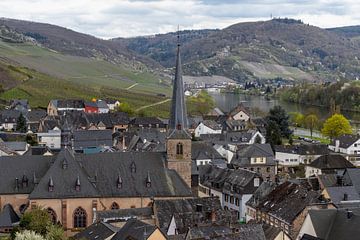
x=86, y=170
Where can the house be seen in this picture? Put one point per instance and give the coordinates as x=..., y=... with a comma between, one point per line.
x=215, y=112
x=256, y=157
x=147, y=122
x=294, y=155
x=174, y=217
x=112, y=104
x=137, y=230
x=117, y=121
x=103, y=107
x=91, y=107
x=240, y=112
x=56, y=107
x=235, y=138
x=118, y=217
x=207, y=127
x=8, y=219
x=235, y=125
x=286, y=206
x=21, y=105
x=50, y=139
x=33, y=119
x=97, y=231
x=8, y=119
x=39, y=150
x=145, y=140
x=328, y=163
x=91, y=141
x=203, y=153
x=233, y=187
x=331, y=224
x=348, y=144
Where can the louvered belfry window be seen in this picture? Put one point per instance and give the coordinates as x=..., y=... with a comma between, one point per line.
x=179, y=149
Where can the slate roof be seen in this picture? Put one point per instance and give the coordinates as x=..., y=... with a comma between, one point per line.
x=345, y=140
x=97, y=231
x=69, y=103
x=331, y=161
x=35, y=115
x=92, y=138
x=120, y=214
x=237, y=137
x=212, y=124
x=287, y=201
x=9, y=116
x=243, y=232
x=354, y=175
x=303, y=149
x=64, y=173
x=8, y=217
x=238, y=181
x=134, y=230
x=109, y=119
x=102, y=104
x=107, y=167
x=238, y=108
x=146, y=121
x=260, y=194
x=190, y=212
x=16, y=146
x=337, y=194
x=178, y=113
x=90, y=104
x=203, y=150
x=246, y=152
x=22, y=167
x=332, y=224
x=38, y=150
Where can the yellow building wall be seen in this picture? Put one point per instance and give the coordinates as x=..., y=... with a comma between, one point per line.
x=156, y=235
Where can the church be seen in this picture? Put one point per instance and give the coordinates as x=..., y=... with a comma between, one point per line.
x=73, y=187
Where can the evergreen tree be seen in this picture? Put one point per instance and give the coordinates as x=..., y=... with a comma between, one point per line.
x=278, y=116
x=21, y=123
x=273, y=134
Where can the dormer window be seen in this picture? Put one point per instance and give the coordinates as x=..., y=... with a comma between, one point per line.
x=119, y=182
x=133, y=167
x=148, y=180
x=25, y=181
x=51, y=185
x=179, y=149
x=77, y=184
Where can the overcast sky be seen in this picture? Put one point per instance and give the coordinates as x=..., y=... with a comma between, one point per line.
x=125, y=18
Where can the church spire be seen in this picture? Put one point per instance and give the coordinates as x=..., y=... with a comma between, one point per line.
x=178, y=118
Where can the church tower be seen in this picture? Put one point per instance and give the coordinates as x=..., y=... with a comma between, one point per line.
x=178, y=143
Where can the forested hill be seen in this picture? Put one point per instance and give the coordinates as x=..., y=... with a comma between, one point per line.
x=259, y=50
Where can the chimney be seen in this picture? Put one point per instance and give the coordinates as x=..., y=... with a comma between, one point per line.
x=346, y=197
x=349, y=214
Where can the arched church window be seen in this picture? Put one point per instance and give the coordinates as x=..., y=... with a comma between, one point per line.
x=114, y=206
x=52, y=215
x=80, y=218
x=179, y=149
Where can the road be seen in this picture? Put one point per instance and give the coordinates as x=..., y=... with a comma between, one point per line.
x=153, y=104
x=306, y=132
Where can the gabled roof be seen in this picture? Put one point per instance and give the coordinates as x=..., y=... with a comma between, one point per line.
x=342, y=193
x=36, y=115
x=92, y=138
x=332, y=224
x=303, y=149
x=8, y=217
x=331, y=161
x=260, y=194
x=97, y=231
x=22, y=167
x=189, y=212
x=246, y=152
x=240, y=107
x=69, y=103
x=203, y=150
x=345, y=140
x=134, y=230
x=91, y=104
x=287, y=201
x=16, y=146
x=212, y=124
x=65, y=172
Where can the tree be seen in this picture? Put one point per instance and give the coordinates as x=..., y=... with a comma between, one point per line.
x=28, y=235
x=278, y=116
x=21, y=123
x=273, y=134
x=125, y=107
x=336, y=125
x=200, y=104
x=311, y=122
x=297, y=119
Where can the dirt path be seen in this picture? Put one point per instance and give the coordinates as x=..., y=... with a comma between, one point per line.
x=128, y=88
x=153, y=104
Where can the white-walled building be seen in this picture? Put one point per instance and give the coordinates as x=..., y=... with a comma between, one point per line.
x=347, y=144
x=294, y=155
x=207, y=127
x=51, y=139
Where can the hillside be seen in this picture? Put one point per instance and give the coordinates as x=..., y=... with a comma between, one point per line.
x=261, y=50
x=348, y=31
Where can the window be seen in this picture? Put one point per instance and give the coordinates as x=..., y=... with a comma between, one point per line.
x=80, y=218
x=52, y=215
x=237, y=202
x=179, y=149
x=268, y=169
x=231, y=199
x=226, y=198
x=114, y=206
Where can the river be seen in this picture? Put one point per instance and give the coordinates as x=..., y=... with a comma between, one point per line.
x=226, y=101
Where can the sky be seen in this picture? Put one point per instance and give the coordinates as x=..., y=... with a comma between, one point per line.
x=128, y=18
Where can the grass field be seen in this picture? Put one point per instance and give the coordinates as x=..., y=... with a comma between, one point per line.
x=82, y=70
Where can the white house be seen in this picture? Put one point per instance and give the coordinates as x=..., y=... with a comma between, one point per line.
x=112, y=104
x=348, y=144
x=102, y=106
x=207, y=127
x=51, y=139
x=293, y=155
x=240, y=112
